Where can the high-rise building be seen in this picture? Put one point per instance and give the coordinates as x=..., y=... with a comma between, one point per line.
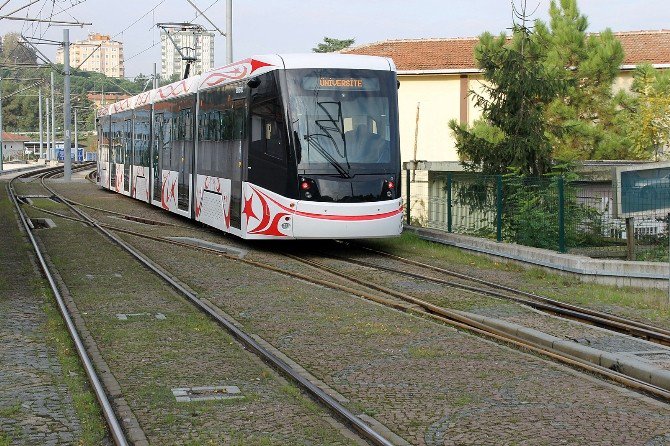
x=106, y=55
x=192, y=44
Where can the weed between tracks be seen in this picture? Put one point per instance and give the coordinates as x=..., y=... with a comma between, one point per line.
x=645, y=305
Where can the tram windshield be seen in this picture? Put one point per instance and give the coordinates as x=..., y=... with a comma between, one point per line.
x=343, y=121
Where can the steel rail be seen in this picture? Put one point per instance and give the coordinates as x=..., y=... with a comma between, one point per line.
x=462, y=321
x=650, y=333
x=358, y=425
x=108, y=412
x=428, y=309
x=657, y=332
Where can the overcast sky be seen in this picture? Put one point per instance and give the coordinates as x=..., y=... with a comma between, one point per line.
x=282, y=26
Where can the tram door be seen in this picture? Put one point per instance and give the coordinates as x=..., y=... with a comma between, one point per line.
x=237, y=115
x=184, y=147
x=128, y=153
x=156, y=155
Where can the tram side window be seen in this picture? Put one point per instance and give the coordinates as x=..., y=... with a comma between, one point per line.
x=267, y=122
x=117, y=141
x=166, y=141
x=128, y=141
x=141, y=139
x=182, y=131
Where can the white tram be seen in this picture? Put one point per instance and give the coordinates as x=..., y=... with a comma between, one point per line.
x=276, y=146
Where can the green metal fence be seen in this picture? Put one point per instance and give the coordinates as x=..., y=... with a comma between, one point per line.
x=553, y=213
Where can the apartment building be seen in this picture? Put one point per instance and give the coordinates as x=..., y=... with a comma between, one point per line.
x=97, y=53
x=192, y=44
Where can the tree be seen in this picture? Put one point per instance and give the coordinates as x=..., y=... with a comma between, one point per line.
x=582, y=119
x=518, y=87
x=13, y=51
x=647, y=112
x=331, y=45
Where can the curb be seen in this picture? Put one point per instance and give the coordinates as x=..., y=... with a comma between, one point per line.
x=615, y=361
x=607, y=272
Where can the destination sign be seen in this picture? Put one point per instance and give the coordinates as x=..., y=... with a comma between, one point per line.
x=340, y=83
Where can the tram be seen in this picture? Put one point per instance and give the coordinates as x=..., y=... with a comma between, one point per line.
x=270, y=147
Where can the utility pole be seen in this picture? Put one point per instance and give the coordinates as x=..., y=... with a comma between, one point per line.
x=67, y=117
x=1, y=142
x=155, y=85
x=41, y=132
x=48, y=132
x=229, y=31
x=53, y=120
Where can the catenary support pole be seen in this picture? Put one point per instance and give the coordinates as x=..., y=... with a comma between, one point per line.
x=48, y=131
x=229, y=31
x=67, y=117
x=53, y=120
x=155, y=83
x=76, y=140
x=1, y=141
x=41, y=125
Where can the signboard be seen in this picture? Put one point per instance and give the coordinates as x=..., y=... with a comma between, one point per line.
x=642, y=190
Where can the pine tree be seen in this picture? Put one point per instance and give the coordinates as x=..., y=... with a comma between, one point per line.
x=330, y=45
x=518, y=87
x=583, y=119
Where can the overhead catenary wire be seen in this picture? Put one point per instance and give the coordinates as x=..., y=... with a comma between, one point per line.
x=121, y=32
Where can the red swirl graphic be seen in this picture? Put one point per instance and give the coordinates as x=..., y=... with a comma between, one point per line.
x=238, y=70
x=174, y=90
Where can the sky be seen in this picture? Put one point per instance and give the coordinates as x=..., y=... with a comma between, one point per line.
x=290, y=26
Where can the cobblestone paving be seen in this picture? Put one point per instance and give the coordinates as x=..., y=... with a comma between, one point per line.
x=505, y=310
x=35, y=406
x=430, y=384
x=149, y=356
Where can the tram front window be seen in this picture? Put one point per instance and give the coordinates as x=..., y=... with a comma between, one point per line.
x=343, y=121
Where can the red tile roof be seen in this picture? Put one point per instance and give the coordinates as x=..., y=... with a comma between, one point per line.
x=6, y=136
x=458, y=53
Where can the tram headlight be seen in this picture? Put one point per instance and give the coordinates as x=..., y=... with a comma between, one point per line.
x=388, y=188
x=308, y=189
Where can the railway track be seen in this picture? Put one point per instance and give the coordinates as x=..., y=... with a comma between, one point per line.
x=478, y=286
x=407, y=303
x=113, y=423
x=354, y=422
x=487, y=288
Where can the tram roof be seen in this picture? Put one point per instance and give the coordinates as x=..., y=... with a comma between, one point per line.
x=246, y=68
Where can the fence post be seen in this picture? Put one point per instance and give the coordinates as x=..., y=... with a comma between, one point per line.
x=407, y=205
x=499, y=207
x=449, y=202
x=561, y=214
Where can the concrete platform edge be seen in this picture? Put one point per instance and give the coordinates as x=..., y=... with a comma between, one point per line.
x=607, y=272
x=625, y=364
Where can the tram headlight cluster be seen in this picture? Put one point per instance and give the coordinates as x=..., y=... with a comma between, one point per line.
x=388, y=189
x=308, y=189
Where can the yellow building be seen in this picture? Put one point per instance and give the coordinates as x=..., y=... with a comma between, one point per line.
x=97, y=53
x=436, y=74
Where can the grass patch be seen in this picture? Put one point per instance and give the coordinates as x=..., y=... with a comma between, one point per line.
x=295, y=393
x=462, y=400
x=11, y=411
x=410, y=244
x=635, y=303
x=424, y=352
x=5, y=439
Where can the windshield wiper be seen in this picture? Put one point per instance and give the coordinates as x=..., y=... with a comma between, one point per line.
x=312, y=141
x=338, y=126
